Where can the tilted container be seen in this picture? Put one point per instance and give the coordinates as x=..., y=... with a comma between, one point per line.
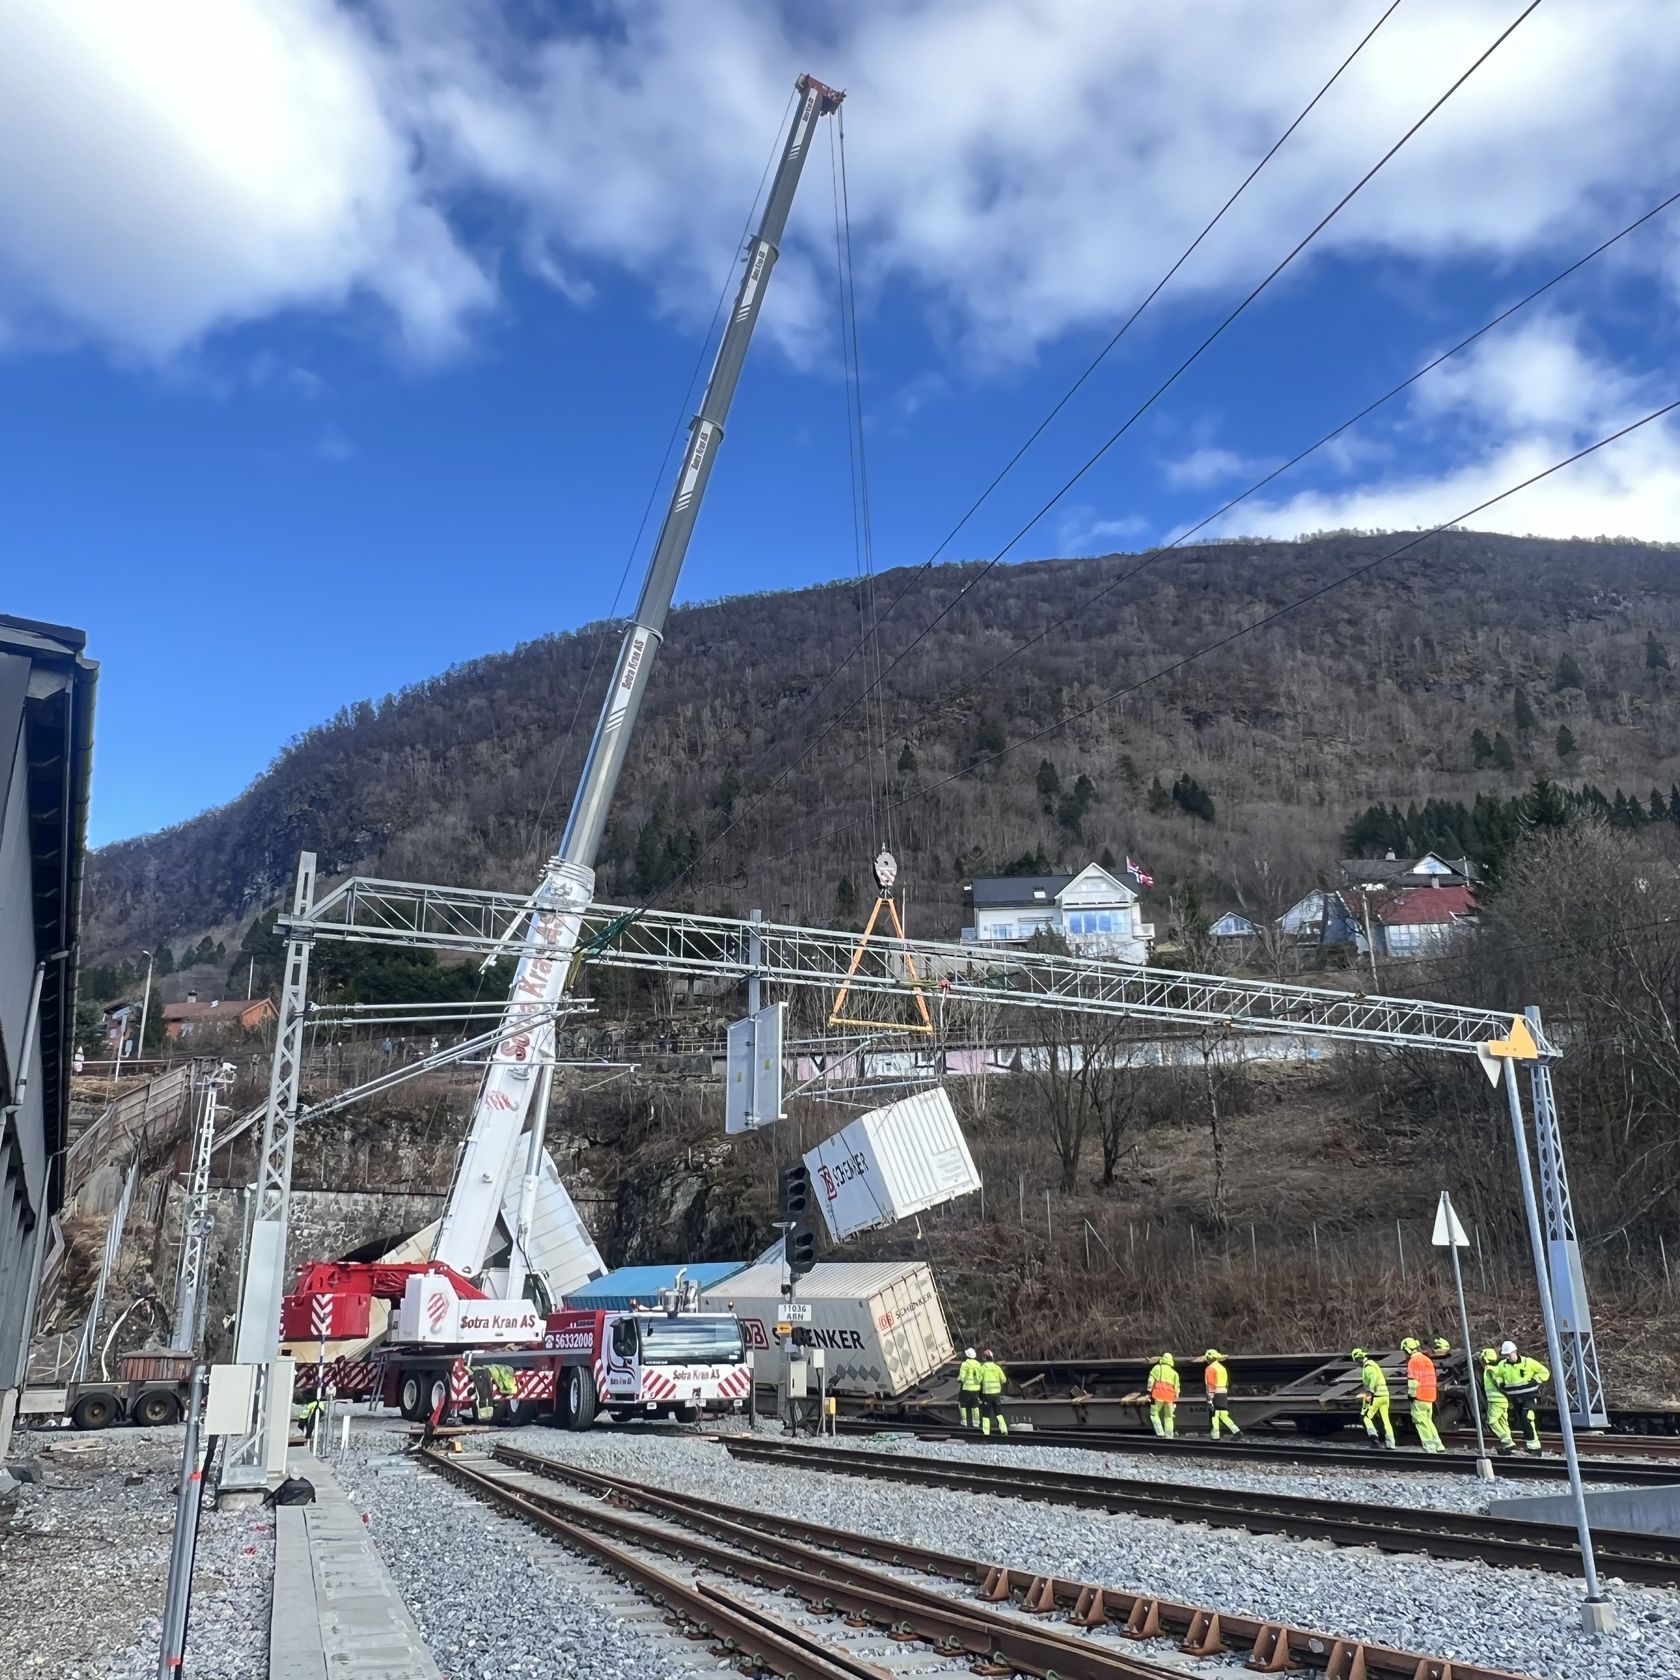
x=892, y=1163
x=880, y=1324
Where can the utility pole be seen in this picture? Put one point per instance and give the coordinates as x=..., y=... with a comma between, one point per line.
x=1597, y=1613
x=145, y=1006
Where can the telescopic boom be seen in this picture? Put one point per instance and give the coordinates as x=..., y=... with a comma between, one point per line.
x=556, y=1245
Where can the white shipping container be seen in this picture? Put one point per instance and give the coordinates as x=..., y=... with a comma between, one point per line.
x=892, y=1163
x=879, y=1324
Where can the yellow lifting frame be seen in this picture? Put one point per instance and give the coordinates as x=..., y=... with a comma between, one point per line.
x=836, y=1016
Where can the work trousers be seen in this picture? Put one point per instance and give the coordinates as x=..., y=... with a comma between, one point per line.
x=991, y=1412
x=1375, y=1411
x=968, y=1403
x=1221, y=1419
x=1499, y=1419
x=1161, y=1415
x=1423, y=1421
x=1531, y=1419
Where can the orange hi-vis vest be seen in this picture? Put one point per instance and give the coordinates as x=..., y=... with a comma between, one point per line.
x=1420, y=1369
x=1163, y=1382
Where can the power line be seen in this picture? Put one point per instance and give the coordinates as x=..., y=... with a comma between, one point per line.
x=1258, y=623
x=1150, y=556
x=1094, y=458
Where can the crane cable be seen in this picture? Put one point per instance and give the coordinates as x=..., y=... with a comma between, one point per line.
x=1295, y=251
x=1068, y=395
x=930, y=704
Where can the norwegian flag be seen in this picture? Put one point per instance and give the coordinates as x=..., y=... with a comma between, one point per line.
x=1139, y=874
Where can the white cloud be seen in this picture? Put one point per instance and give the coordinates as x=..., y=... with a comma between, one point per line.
x=1079, y=531
x=1207, y=466
x=1505, y=412
x=1023, y=166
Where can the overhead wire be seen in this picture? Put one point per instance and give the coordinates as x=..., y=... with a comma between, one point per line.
x=930, y=703
x=1262, y=621
x=1089, y=369
x=1091, y=461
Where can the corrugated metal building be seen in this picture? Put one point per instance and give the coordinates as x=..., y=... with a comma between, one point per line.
x=616, y=1290
x=46, y=746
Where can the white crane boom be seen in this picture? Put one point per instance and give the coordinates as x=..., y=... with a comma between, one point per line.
x=494, y=1182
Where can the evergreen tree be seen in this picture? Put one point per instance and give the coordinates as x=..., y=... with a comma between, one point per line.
x=1159, y=800
x=1107, y=859
x=1048, y=783
x=907, y=761
x=724, y=795
x=845, y=897
x=1566, y=748
x=1481, y=748
x=1656, y=655
x=1503, y=757
x=989, y=739
x=1071, y=811
x=1522, y=712
x=1674, y=803
x=1547, y=806
x=1568, y=674
x=165, y=961
x=1190, y=796
x=1659, y=811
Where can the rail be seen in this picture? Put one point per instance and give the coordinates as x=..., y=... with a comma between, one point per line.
x=1199, y=1629
x=823, y=1581
x=1499, y=1541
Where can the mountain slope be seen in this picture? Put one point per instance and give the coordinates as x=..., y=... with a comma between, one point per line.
x=1372, y=693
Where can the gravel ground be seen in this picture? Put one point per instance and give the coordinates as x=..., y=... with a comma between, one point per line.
x=84, y=1557
x=1505, y=1618
x=494, y=1613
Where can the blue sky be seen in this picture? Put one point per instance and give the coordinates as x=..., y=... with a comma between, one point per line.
x=338, y=345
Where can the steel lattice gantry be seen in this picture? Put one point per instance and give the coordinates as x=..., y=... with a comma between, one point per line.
x=480, y=923
x=677, y=943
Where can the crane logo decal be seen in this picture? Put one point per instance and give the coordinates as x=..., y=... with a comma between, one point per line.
x=437, y=1309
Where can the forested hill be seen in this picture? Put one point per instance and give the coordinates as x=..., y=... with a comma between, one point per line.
x=1472, y=664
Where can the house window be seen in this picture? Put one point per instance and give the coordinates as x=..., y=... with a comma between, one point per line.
x=1098, y=921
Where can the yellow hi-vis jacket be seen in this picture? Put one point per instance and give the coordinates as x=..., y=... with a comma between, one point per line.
x=992, y=1377
x=1163, y=1381
x=1372, y=1381
x=968, y=1376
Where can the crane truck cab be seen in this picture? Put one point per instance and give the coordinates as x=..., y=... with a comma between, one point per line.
x=664, y=1360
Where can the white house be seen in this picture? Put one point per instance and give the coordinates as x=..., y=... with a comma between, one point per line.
x=1098, y=915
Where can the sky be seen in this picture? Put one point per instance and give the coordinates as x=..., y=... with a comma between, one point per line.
x=340, y=343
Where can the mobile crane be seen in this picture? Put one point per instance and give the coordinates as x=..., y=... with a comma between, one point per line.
x=456, y=1304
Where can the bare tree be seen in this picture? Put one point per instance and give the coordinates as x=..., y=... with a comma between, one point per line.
x=1078, y=1069
x=1267, y=890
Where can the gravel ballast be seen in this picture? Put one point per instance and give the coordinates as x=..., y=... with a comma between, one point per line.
x=1514, y=1619
x=84, y=1559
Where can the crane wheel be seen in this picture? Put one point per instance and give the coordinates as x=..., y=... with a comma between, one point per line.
x=577, y=1398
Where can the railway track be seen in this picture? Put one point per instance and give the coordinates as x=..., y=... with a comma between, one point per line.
x=1201, y=1630
x=1275, y=1451
x=874, y=1608
x=1646, y=1559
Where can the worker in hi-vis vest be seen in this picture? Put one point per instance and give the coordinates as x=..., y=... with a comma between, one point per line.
x=1373, y=1399
x=1421, y=1390
x=968, y=1389
x=1217, y=1380
x=1498, y=1406
x=1522, y=1378
x=1163, y=1395
x=992, y=1379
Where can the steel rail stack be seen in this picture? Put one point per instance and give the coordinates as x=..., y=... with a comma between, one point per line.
x=1664, y=1471
x=1647, y=1559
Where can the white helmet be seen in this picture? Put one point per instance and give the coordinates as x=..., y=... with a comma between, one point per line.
x=969, y=1353
x=1507, y=1349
